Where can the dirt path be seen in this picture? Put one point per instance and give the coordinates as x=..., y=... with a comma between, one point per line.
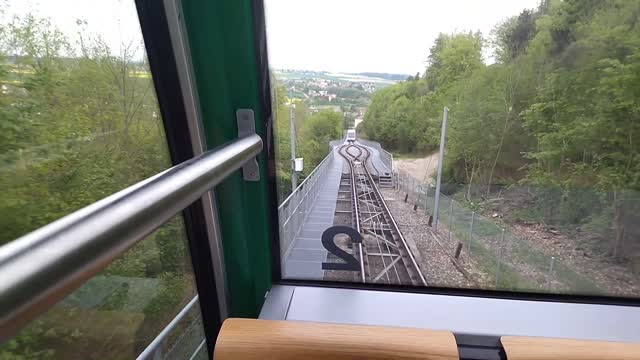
x=420, y=168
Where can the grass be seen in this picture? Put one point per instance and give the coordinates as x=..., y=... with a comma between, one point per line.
x=509, y=278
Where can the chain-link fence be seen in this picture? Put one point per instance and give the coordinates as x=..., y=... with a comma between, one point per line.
x=509, y=261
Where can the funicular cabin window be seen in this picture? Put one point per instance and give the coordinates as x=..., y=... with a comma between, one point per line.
x=79, y=121
x=459, y=144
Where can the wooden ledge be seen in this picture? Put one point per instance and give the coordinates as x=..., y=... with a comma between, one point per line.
x=244, y=339
x=248, y=339
x=537, y=348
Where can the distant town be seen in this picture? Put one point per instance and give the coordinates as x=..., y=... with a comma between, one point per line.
x=343, y=92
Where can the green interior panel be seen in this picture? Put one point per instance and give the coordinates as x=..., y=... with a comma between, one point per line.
x=221, y=38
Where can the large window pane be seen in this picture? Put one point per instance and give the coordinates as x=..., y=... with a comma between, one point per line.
x=118, y=313
x=538, y=170
x=79, y=121
x=79, y=116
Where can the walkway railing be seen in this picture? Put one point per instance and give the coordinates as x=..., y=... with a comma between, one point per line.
x=385, y=156
x=510, y=261
x=295, y=208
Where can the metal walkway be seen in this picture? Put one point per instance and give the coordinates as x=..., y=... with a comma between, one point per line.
x=308, y=212
x=305, y=255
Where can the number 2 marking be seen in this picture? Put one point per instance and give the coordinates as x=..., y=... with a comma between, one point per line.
x=350, y=263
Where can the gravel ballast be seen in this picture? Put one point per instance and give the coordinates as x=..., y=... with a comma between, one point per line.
x=435, y=249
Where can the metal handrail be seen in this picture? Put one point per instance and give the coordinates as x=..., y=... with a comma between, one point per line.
x=40, y=268
x=151, y=350
x=387, y=157
x=390, y=156
x=304, y=182
x=288, y=211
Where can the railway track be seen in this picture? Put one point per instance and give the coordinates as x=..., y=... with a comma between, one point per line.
x=384, y=254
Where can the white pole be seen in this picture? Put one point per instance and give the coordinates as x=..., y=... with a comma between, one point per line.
x=440, y=161
x=294, y=174
x=553, y=259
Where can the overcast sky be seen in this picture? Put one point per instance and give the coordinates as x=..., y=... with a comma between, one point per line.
x=373, y=35
x=333, y=35
x=115, y=20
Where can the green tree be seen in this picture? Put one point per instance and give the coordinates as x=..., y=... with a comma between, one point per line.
x=453, y=57
x=318, y=130
x=557, y=111
x=78, y=123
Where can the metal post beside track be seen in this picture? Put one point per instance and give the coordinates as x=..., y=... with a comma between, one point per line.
x=450, y=218
x=501, y=245
x=440, y=161
x=473, y=216
x=550, y=272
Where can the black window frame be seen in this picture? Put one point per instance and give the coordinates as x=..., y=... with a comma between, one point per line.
x=261, y=47
x=164, y=69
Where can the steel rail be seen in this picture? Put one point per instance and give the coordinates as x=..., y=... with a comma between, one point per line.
x=381, y=236
x=40, y=268
x=360, y=179
x=374, y=198
x=362, y=183
x=354, y=196
x=351, y=158
x=413, y=263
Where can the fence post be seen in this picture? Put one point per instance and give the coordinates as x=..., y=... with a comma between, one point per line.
x=450, y=217
x=433, y=208
x=473, y=216
x=500, y=257
x=551, y=262
x=426, y=199
x=443, y=131
x=404, y=182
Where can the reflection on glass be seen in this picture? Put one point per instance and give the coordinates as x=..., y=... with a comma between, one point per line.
x=538, y=163
x=78, y=122
x=118, y=313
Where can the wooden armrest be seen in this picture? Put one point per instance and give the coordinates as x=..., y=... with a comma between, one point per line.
x=535, y=348
x=243, y=339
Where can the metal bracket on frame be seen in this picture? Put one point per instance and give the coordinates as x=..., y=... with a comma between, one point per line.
x=247, y=126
